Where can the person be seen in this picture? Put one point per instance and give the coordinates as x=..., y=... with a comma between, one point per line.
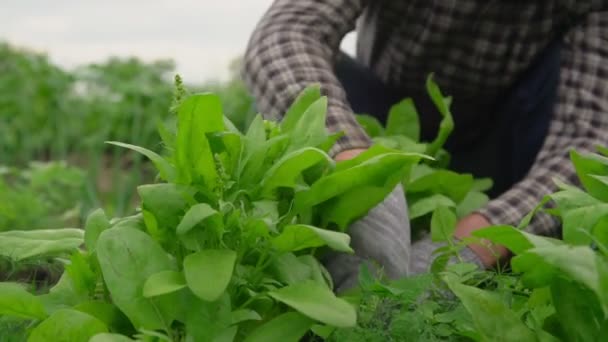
x=529, y=82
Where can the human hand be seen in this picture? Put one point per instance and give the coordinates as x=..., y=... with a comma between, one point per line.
x=349, y=154
x=489, y=254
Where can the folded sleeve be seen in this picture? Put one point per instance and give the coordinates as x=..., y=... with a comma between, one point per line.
x=294, y=45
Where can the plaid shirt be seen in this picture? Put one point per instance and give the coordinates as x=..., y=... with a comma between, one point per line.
x=476, y=48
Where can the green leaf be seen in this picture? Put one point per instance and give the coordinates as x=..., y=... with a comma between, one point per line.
x=429, y=204
x=67, y=326
x=206, y=321
x=493, y=319
x=403, y=120
x=285, y=172
x=304, y=100
x=451, y=184
x=370, y=124
x=310, y=130
x=578, y=263
x=473, y=201
x=482, y=184
x=587, y=168
x=96, y=223
x=288, y=327
x=128, y=257
x=163, y=282
x=318, y=303
x=517, y=241
x=208, y=272
x=107, y=337
x=17, y=302
x=443, y=224
x=166, y=170
x=198, y=114
x=577, y=223
x=107, y=313
x=166, y=202
x=19, y=245
x=446, y=126
x=288, y=269
x=577, y=310
x=242, y=315
x=195, y=215
x=300, y=236
x=374, y=172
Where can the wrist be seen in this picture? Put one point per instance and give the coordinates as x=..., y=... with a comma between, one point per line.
x=489, y=254
x=349, y=154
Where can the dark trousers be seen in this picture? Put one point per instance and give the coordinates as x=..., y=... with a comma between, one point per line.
x=508, y=147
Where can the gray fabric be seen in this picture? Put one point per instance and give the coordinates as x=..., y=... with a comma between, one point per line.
x=382, y=237
x=382, y=240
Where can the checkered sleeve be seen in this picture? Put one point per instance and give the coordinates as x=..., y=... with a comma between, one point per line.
x=295, y=45
x=580, y=122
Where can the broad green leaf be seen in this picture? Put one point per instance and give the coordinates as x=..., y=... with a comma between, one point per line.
x=400, y=143
x=195, y=215
x=473, y=201
x=482, y=184
x=198, y=114
x=310, y=130
x=304, y=100
x=62, y=295
x=577, y=310
x=577, y=223
x=403, y=120
x=286, y=268
x=19, y=245
x=371, y=125
x=300, y=236
x=517, y=241
x=96, y=223
x=429, y=204
x=208, y=272
x=451, y=184
x=207, y=321
x=67, y=326
x=578, y=263
x=253, y=168
x=107, y=337
x=166, y=170
x=493, y=319
x=242, y=315
x=166, y=202
x=163, y=282
x=255, y=136
x=227, y=335
x=588, y=165
x=318, y=303
x=318, y=273
x=128, y=257
x=443, y=224
x=373, y=172
x=285, y=172
x=17, y=302
x=288, y=327
x=107, y=313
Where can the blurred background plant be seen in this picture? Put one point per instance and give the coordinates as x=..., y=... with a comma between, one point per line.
x=51, y=114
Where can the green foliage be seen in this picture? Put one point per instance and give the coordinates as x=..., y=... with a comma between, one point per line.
x=225, y=248
x=44, y=195
x=429, y=185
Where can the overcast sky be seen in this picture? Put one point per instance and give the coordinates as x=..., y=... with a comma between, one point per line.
x=201, y=36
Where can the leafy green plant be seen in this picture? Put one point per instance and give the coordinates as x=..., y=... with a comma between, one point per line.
x=225, y=248
x=430, y=185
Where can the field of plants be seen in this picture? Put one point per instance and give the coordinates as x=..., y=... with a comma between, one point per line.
x=137, y=207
